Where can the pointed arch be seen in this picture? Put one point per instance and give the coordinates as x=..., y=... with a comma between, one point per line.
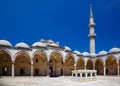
x=5, y=63
x=111, y=65
x=55, y=64
x=22, y=64
x=80, y=63
x=99, y=66
x=89, y=64
x=69, y=64
x=40, y=64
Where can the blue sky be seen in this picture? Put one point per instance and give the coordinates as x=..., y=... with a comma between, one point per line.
x=65, y=21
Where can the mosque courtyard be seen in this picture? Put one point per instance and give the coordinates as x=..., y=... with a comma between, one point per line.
x=58, y=81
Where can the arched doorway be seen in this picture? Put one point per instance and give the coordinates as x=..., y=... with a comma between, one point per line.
x=99, y=67
x=40, y=64
x=22, y=64
x=111, y=66
x=80, y=64
x=55, y=64
x=5, y=64
x=89, y=64
x=69, y=65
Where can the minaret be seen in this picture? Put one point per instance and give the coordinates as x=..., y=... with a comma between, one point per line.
x=92, y=34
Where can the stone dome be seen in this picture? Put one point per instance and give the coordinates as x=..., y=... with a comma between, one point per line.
x=53, y=44
x=22, y=45
x=85, y=53
x=114, y=50
x=5, y=43
x=102, y=52
x=39, y=44
x=67, y=48
x=50, y=41
x=77, y=52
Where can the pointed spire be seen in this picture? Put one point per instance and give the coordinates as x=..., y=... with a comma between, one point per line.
x=91, y=13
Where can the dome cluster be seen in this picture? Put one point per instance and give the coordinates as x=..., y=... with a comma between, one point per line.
x=45, y=43
x=113, y=50
x=41, y=43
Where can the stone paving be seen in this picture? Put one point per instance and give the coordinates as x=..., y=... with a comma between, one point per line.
x=58, y=81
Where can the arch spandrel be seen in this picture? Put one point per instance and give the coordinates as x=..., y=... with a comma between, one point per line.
x=22, y=53
x=111, y=60
x=40, y=51
x=7, y=51
x=56, y=55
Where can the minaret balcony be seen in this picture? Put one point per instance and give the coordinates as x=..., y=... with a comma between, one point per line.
x=92, y=24
x=92, y=35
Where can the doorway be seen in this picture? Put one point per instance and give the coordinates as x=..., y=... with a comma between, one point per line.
x=22, y=71
x=4, y=71
x=36, y=71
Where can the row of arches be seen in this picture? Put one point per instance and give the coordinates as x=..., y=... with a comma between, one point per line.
x=55, y=66
x=22, y=64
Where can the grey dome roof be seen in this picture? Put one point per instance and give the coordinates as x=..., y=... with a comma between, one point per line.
x=39, y=44
x=85, y=53
x=22, y=45
x=102, y=52
x=67, y=48
x=114, y=50
x=77, y=52
x=5, y=43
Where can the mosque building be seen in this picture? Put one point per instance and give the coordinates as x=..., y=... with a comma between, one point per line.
x=47, y=58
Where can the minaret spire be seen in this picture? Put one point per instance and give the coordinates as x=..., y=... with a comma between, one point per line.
x=91, y=13
x=92, y=34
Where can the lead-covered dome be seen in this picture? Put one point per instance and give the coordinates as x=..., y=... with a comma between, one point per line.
x=77, y=52
x=102, y=52
x=67, y=48
x=114, y=50
x=22, y=45
x=39, y=44
x=85, y=54
x=5, y=43
x=53, y=44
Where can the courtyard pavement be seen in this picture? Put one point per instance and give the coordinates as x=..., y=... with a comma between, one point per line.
x=58, y=81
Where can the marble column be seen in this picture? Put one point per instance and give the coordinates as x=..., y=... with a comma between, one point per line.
x=104, y=70
x=93, y=66
x=75, y=66
x=118, y=67
x=31, y=70
x=85, y=67
x=80, y=74
x=76, y=74
x=12, y=69
x=91, y=75
x=86, y=74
